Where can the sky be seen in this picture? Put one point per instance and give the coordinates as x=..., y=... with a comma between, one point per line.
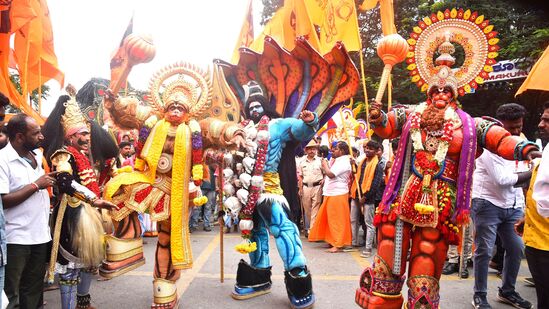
x=86, y=33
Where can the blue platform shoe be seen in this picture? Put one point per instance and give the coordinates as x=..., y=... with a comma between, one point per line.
x=299, y=286
x=251, y=281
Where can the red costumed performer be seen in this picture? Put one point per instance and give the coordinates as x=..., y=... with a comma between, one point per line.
x=428, y=194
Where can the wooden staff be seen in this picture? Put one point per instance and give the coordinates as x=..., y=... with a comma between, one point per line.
x=220, y=219
x=462, y=262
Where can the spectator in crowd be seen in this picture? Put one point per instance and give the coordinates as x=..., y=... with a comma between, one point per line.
x=208, y=187
x=371, y=184
x=356, y=153
x=4, y=101
x=496, y=262
x=310, y=180
x=125, y=155
x=26, y=208
x=3, y=135
x=357, y=195
x=535, y=224
x=497, y=205
x=541, y=186
x=324, y=152
x=332, y=223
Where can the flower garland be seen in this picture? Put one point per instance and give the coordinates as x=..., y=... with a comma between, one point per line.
x=85, y=171
x=424, y=206
x=246, y=213
x=450, y=116
x=196, y=157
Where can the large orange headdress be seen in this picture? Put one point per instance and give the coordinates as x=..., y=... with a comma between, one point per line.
x=438, y=33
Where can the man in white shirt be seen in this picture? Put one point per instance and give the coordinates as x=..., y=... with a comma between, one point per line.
x=26, y=203
x=541, y=186
x=497, y=204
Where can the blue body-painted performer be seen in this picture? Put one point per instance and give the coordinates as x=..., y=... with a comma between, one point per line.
x=267, y=207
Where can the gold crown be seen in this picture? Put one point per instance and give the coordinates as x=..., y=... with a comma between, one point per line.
x=73, y=120
x=190, y=88
x=445, y=76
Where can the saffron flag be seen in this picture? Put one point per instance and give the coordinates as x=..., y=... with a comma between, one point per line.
x=34, y=50
x=6, y=86
x=246, y=36
x=340, y=24
x=47, y=68
x=12, y=14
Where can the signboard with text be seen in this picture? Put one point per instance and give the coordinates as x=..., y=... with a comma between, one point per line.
x=505, y=70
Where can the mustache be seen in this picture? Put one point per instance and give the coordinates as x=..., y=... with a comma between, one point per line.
x=82, y=143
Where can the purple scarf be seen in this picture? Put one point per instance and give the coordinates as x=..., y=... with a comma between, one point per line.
x=466, y=165
x=465, y=168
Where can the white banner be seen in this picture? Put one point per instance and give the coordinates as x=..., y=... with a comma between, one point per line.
x=505, y=70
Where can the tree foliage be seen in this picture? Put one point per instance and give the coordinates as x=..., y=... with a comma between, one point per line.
x=523, y=29
x=14, y=78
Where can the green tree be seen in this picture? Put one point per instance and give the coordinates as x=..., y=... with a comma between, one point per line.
x=34, y=94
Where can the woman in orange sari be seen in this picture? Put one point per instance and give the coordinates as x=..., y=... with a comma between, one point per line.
x=333, y=223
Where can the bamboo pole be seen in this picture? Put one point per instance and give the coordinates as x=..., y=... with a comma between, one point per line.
x=220, y=221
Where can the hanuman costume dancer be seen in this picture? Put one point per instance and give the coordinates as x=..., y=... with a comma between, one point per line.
x=428, y=194
x=265, y=208
x=167, y=176
x=77, y=227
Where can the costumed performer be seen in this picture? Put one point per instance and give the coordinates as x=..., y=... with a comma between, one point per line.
x=78, y=233
x=264, y=208
x=428, y=195
x=167, y=176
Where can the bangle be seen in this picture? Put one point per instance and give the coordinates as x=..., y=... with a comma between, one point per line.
x=35, y=186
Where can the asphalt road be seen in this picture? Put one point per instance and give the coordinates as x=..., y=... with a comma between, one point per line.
x=335, y=279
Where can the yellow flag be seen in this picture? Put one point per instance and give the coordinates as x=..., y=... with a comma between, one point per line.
x=273, y=28
x=246, y=36
x=340, y=24
x=316, y=9
x=303, y=24
x=290, y=21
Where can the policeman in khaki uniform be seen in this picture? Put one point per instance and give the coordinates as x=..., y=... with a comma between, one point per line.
x=310, y=184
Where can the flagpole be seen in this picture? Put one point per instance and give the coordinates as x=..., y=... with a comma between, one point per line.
x=40, y=88
x=24, y=82
x=363, y=75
